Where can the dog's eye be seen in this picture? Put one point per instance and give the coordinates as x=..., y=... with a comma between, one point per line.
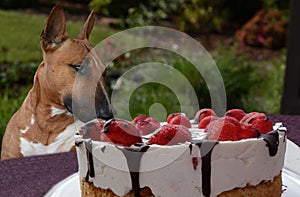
x=75, y=67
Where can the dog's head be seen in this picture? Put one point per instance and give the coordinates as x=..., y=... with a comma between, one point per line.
x=72, y=74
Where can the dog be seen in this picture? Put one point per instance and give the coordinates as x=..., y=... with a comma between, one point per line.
x=68, y=90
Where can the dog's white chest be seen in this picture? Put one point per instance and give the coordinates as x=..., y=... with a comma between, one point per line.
x=62, y=143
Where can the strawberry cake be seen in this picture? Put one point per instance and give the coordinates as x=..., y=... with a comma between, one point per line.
x=238, y=154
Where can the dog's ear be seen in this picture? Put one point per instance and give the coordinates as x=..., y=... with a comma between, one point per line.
x=54, y=32
x=87, y=27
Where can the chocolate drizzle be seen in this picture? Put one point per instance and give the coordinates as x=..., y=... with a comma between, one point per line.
x=272, y=139
x=283, y=129
x=206, y=147
x=133, y=157
x=78, y=142
x=89, y=154
x=106, y=125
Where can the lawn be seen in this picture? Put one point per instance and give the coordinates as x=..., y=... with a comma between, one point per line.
x=253, y=85
x=20, y=36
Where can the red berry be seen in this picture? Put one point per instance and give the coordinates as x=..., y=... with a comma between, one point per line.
x=171, y=116
x=205, y=121
x=247, y=116
x=180, y=119
x=146, y=127
x=222, y=130
x=153, y=121
x=92, y=129
x=120, y=132
x=171, y=135
x=247, y=131
x=236, y=113
x=202, y=113
x=262, y=123
x=139, y=117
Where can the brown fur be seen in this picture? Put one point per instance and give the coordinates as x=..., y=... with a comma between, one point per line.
x=53, y=82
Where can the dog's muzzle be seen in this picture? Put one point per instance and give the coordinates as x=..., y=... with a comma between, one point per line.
x=86, y=112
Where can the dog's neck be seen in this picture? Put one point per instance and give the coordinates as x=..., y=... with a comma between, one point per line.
x=48, y=117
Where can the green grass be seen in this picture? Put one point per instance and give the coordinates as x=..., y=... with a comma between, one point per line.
x=9, y=105
x=20, y=35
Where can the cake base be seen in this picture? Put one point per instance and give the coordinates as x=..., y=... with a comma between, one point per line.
x=264, y=189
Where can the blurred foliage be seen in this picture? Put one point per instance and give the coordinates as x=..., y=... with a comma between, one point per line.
x=137, y=13
x=204, y=15
x=268, y=28
x=249, y=83
x=17, y=4
x=189, y=15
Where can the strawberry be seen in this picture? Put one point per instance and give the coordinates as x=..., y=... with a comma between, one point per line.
x=263, y=125
x=120, y=132
x=146, y=127
x=236, y=113
x=261, y=122
x=153, y=121
x=247, y=116
x=139, y=117
x=92, y=129
x=247, y=131
x=222, y=130
x=179, y=119
x=205, y=121
x=202, y=113
x=171, y=135
x=171, y=116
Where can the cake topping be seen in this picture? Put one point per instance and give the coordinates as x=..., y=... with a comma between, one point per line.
x=92, y=129
x=153, y=121
x=146, y=127
x=139, y=117
x=260, y=120
x=179, y=119
x=272, y=139
x=120, y=132
x=170, y=116
x=206, y=147
x=205, y=121
x=171, y=135
x=236, y=113
x=202, y=113
x=223, y=129
x=247, y=131
x=133, y=157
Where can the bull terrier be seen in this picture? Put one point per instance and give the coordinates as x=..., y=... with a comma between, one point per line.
x=68, y=90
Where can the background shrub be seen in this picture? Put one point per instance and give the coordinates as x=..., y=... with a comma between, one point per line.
x=268, y=28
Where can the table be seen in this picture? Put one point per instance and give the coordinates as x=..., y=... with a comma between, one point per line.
x=34, y=176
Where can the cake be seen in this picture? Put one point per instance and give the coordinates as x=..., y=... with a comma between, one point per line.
x=236, y=155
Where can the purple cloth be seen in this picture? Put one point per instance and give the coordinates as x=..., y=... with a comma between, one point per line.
x=292, y=123
x=34, y=176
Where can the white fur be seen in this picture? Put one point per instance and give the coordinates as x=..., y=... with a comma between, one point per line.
x=32, y=119
x=56, y=111
x=23, y=131
x=62, y=143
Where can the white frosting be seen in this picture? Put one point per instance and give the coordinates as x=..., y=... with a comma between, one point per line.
x=169, y=170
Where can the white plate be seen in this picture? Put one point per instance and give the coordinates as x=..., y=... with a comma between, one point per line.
x=290, y=177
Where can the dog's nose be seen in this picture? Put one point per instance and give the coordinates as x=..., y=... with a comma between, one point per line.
x=105, y=115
